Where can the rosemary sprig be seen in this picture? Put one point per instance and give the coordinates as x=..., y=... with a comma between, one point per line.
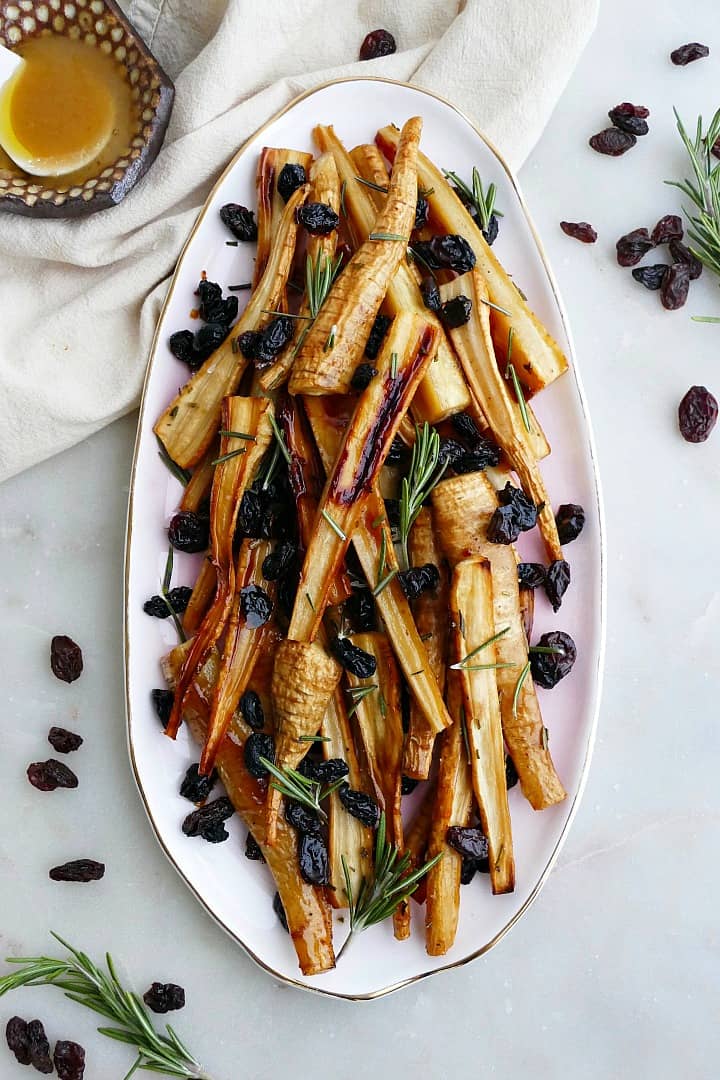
x=333, y=525
x=238, y=435
x=383, y=579
x=358, y=694
x=319, y=276
x=518, y=687
x=705, y=318
x=552, y=650
x=84, y=982
x=314, y=738
x=510, y=371
x=387, y=236
x=226, y=457
x=483, y=645
x=279, y=437
x=704, y=192
x=483, y=202
x=172, y=466
x=293, y=785
x=244, y=287
x=389, y=885
x=165, y=593
x=330, y=343
x=425, y=472
x=394, y=360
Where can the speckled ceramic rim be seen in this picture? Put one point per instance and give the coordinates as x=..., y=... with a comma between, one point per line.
x=603, y=558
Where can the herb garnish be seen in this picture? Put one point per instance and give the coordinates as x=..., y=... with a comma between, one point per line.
x=518, y=687
x=463, y=663
x=387, y=236
x=333, y=525
x=293, y=785
x=704, y=230
x=510, y=371
x=165, y=593
x=358, y=694
x=425, y=472
x=483, y=202
x=172, y=466
x=279, y=437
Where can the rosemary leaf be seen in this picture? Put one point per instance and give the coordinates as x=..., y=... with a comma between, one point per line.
x=172, y=466
x=280, y=438
x=516, y=383
x=387, y=236
x=425, y=472
x=518, y=687
x=483, y=645
x=333, y=525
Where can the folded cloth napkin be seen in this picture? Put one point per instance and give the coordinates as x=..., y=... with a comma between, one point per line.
x=80, y=299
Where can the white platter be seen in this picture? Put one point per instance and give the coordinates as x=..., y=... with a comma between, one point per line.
x=236, y=892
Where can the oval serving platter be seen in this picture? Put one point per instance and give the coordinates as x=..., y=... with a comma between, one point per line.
x=236, y=892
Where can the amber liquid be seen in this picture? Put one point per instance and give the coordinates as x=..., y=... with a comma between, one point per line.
x=63, y=100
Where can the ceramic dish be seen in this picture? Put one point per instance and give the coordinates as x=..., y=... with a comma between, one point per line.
x=236, y=892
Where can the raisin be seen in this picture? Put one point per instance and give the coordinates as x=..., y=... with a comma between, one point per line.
x=419, y=579
x=291, y=177
x=239, y=220
x=468, y=870
x=570, y=519
x=556, y=582
x=683, y=254
x=375, y=339
x=248, y=343
x=685, y=54
x=212, y=306
x=516, y=513
x=258, y=745
x=251, y=710
x=195, y=786
x=408, y=785
x=179, y=598
x=182, y=346
x=17, y=1039
x=579, y=230
x=252, y=849
x=697, y=414
x=189, y=531
x=164, y=997
x=398, y=453
x=612, y=141
x=633, y=246
x=66, y=659
x=503, y=527
x=81, y=870
x=313, y=859
x=377, y=43
x=64, y=741
x=456, y=312
x=450, y=452
x=301, y=817
x=255, y=605
x=360, y=609
x=254, y=516
x=317, y=218
x=477, y=460
x=69, y=1058
x=675, y=286
x=354, y=659
x=280, y=912
x=207, y=821
x=422, y=212
x=156, y=607
x=163, y=702
x=531, y=575
x=668, y=228
x=628, y=122
x=447, y=252
x=511, y=775
x=469, y=841
x=548, y=668
x=625, y=108
x=361, y=806
x=430, y=293
x=651, y=277
x=327, y=772
x=39, y=1047
x=278, y=562
x=273, y=340
x=392, y=509
x=478, y=443
x=491, y=232
x=51, y=774
x=363, y=376
x=208, y=338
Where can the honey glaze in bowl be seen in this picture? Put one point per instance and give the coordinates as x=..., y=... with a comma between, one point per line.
x=94, y=51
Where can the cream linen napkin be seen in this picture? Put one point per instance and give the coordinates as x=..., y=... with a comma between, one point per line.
x=80, y=298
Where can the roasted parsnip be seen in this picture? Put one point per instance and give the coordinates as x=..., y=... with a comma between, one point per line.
x=417, y=834
x=198, y=487
x=202, y=597
x=270, y=203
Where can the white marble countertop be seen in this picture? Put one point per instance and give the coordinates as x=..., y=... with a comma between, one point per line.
x=614, y=970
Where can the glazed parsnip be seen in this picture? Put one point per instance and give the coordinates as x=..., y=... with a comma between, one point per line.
x=270, y=203
x=202, y=596
x=198, y=487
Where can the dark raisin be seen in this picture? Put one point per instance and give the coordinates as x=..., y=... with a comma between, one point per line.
x=208, y=338
x=422, y=211
x=273, y=340
x=651, y=277
x=556, y=582
x=675, y=286
x=279, y=561
x=258, y=745
x=317, y=218
x=419, y=579
x=80, y=870
x=633, y=246
x=511, y=775
x=255, y=605
x=612, y=141
x=327, y=772
x=195, y=786
x=430, y=293
x=697, y=414
x=280, y=912
x=360, y=609
x=392, y=509
x=491, y=232
x=254, y=516
x=469, y=841
x=182, y=346
x=447, y=252
x=477, y=460
x=291, y=177
x=64, y=741
x=251, y=710
x=683, y=254
x=17, y=1039
x=468, y=870
x=313, y=859
x=531, y=575
x=207, y=821
x=377, y=43
x=628, y=122
x=668, y=228
x=239, y=220
x=163, y=702
x=579, y=230
x=398, y=453
x=39, y=1047
x=524, y=508
x=503, y=527
x=408, y=785
x=301, y=817
x=252, y=849
x=626, y=108
x=570, y=519
x=363, y=376
x=379, y=329
x=66, y=659
x=456, y=312
x=179, y=598
x=51, y=774
x=450, y=451
x=548, y=668
x=69, y=1058
x=685, y=54
x=164, y=997
x=354, y=659
x=212, y=306
x=157, y=607
x=248, y=343
x=189, y=531
x=360, y=805
x=478, y=443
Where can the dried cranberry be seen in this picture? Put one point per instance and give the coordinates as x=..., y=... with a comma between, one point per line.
x=697, y=414
x=579, y=230
x=279, y=561
x=360, y=805
x=549, y=667
x=195, y=786
x=189, y=531
x=327, y=772
x=419, y=579
x=363, y=376
x=448, y=252
x=556, y=582
x=612, y=141
x=683, y=254
x=66, y=660
x=253, y=850
x=313, y=859
x=17, y=1039
x=628, y=122
x=651, y=277
x=182, y=346
x=64, y=741
x=490, y=233
x=456, y=312
x=291, y=177
x=377, y=43
x=51, y=774
x=207, y=821
x=164, y=997
x=668, y=228
x=69, y=1058
x=257, y=746
x=360, y=609
x=430, y=293
x=248, y=343
x=685, y=54
x=531, y=575
x=273, y=339
x=511, y=775
x=379, y=329
x=78, y=870
x=255, y=605
x=239, y=220
x=422, y=212
x=408, y=785
x=675, y=286
x=570, y=519
x=631, y=247
x=163, y=702
x=280, y=912
x=251, y=710
x=208, y=338
x=302, y=818
x=317, y=218
x=468, y=841
x=361, y=664
x=39, y=1047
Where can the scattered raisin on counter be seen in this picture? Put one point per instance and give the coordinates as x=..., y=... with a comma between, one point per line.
x=469, y=841
x=548, y=668
x=360, y=805
x=579, y=230
x=16, y=1034
x=697, y=414
x=556, y=582
x=280, y=912
x=631, y=119
x=354, y=659
x=363, y=376
x=651, y=277
x=633, y=246
x=255, y=605
x=162, y=703
x=64, y=741
x=291, y=177
x=189, y=531
x=239, y=220
x=531, y=575
x=612, y=141
x=377, y=43
x=51, y=774
x=675, y=287
x=196, y=787
x=69, y=1058
x=317, y=218
x=66, y=659
x=258, y=745
x=685, y=54
x=39, y=1047
x=570, y=519
x=252, y=849
x=207, y=821
x=251, y=710
x=683, y=254
x=78, y=870
x=164, y=997
x=313, y=859
x=668, y=228
x=456, y=312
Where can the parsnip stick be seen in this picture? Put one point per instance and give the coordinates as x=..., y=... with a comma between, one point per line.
x=270, y=203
